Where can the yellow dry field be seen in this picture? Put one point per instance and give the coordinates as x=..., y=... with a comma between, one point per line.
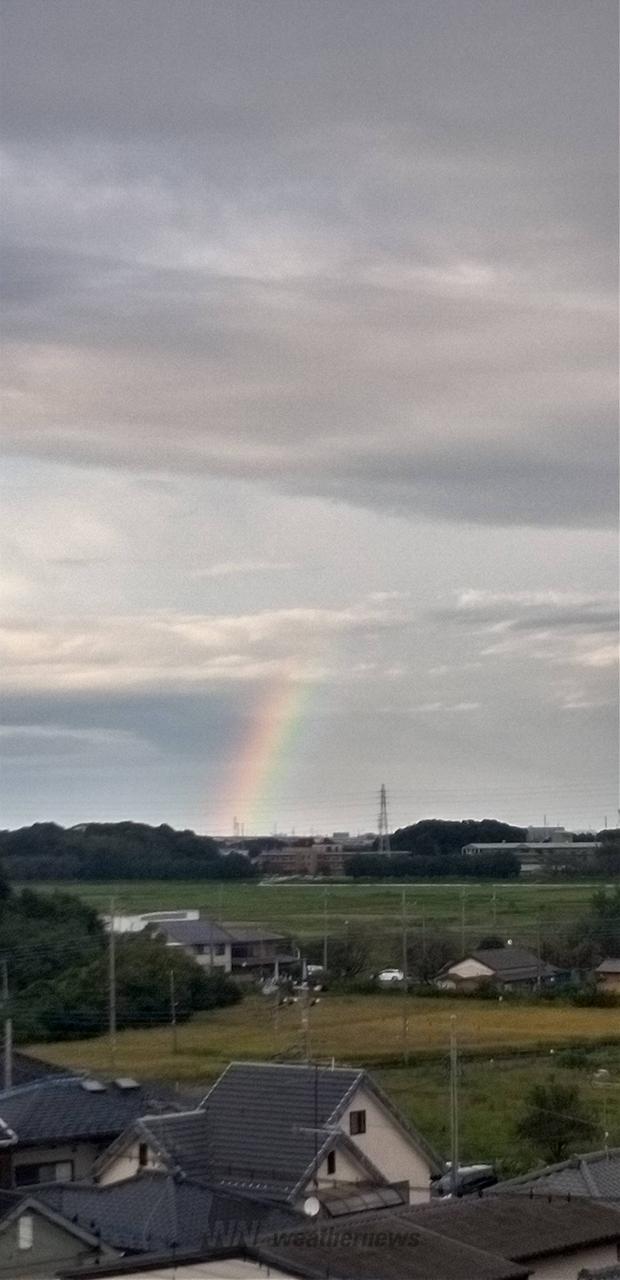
x=357, y=1029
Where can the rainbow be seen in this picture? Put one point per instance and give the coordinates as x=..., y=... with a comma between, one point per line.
x=264, y=754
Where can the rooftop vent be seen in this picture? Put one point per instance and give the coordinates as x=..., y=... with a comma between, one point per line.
x=126, y=1082
x=92, y=1086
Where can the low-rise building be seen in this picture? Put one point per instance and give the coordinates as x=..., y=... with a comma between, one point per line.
x=594, y=1175
x=137, y=922
x=231, y=948
x=608, y=974
x=510, y=968
x=527, y=1240
x=533, y=855
x=36, y=1241
x=283, y=1132
x=53, y=1129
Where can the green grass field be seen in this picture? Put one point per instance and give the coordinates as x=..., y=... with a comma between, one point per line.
x=504, y=1047
x=302, y=909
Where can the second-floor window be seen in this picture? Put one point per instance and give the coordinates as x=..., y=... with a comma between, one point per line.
x=357, y=1122
x=331, y=1162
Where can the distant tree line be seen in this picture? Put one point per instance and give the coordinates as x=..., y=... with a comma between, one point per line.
x=432, y=849
x=116, y=851
x=55, y=948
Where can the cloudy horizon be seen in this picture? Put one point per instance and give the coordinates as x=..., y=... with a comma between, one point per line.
x=310, y=427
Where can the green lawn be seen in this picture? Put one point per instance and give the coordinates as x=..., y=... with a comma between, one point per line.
x=368, y=1030
x=471, y=909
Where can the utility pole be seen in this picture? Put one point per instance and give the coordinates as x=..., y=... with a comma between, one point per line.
x=494, y=902
x=325, y=942
x=8, y=1028
x=463, y=915
x=112, y=990
x=538, y=955
x=384, y=828
x=405, y=979
x=305, y=1012
x=454, y=1107
x=173, y=1014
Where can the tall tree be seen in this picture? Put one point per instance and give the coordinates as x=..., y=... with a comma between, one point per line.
x=555, y=1121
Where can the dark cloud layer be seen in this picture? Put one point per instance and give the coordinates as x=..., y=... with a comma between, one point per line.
x=356, y=250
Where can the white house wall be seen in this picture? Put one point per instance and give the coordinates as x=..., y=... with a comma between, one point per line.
x=469, y=968
x=127, y=1163
x=388, y=1146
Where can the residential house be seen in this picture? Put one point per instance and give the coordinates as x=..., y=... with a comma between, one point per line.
x=593, y=1176
x=285, y=1132
x=608, y=974
x=464, y=1240
x=54, y=1129
x=553, y=1238
x=156, y=1212
x=230, y=948
x=511, y=968
x=374, y=1250
x=137, y=922
x=35, y=1241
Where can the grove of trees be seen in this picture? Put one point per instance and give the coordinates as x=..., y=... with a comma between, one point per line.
x=116, y=851
x=55, y=950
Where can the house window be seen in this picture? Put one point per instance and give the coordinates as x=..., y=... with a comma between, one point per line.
x=220, y=949
x=331, y=1162
x=25, y=1231
x=58, y=1171
x=143, y=1155
x=357, y=1122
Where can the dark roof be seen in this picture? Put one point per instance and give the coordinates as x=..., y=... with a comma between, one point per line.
x=157, y=1211
x=383, y=1246
x=518, y=1227
x=62, y=1108
x=26, y=1068
x=269, y=1123
x=595, y=1175
x=601, y=1273
x=14, y=1204
x=510, y=963
x=207, y=932
x=263, y=1127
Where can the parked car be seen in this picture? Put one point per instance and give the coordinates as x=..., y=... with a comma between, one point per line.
x=390, y=975
x=470, y=1178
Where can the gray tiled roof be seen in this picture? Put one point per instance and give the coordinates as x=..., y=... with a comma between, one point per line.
x=157, y=1211
x=518, y=1227
x=62, y=1108
x=207, y=933
x=513, y=962
x=384, y=1246
x=595, y=1175
x=26, y=1068
x=610, y=965
x=263, y=1127
x=259, y=1128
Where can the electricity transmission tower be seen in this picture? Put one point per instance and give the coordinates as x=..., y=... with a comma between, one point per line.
x=384, y=830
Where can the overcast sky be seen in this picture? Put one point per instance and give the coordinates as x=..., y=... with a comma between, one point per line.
x=310, y=428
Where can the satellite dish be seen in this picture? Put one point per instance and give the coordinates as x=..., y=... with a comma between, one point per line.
x=312, y=1206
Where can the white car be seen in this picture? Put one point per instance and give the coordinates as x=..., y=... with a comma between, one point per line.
x=390, y=975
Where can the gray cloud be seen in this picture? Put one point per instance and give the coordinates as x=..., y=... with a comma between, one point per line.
x=350, y=253
x=310, y=319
